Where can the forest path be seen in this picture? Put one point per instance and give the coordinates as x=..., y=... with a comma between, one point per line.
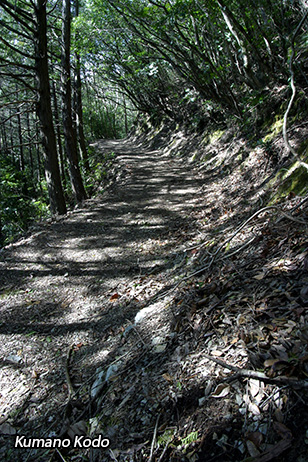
x=81, y=279
x=86, y=300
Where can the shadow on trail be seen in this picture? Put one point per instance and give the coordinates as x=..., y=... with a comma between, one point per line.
x=59, y=283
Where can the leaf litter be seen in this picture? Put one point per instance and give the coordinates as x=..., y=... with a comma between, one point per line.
x=144, y=318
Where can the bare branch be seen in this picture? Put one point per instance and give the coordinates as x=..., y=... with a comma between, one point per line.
x=53, y=8
x=281, y=380
x=17, y=50
x=19, y=78
x=3, y=121
x=10, y=63
x=11, y=11
x=11, y=29
x=16, y=103
x=24, y=145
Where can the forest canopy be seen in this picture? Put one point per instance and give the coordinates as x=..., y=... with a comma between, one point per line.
x=75, y=71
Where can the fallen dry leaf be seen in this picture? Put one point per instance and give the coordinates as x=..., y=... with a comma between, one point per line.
x=167, y=377
x=282, y=430
x=221, y=391
x=252, y=449
x=259, y=276
x=256, y=438
x=114, y=297
x=253, y=408
x=254, y=387
x=216, y=353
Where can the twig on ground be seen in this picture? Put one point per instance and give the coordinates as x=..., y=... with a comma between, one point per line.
x=282, y=380
x=264, y=209
x=154, y=439
x=60, y=455
x=258, y=212
x=302, y=202
x=164, y=452
x=220, y=248
x=137, y=332
x=242, y=247
x=70, y=387
x=113, y=455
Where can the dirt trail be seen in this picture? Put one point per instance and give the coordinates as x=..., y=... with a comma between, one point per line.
x=94, y=342
x=77, y=280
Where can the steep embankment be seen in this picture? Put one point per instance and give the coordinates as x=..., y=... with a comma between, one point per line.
x=110, y=316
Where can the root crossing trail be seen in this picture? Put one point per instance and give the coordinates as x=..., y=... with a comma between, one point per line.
x=81, y=279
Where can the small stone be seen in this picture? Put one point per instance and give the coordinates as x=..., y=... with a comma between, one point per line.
x=160, y=348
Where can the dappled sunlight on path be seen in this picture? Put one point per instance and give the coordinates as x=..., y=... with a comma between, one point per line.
x=79, y=278
x=113, y=316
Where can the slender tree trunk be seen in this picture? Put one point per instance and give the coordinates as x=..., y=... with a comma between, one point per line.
x=44, y=112
x=125, y=117
x=22, y=157
x=11, y=131
x=40, y=173
x=1, y=234
x=79, y=115
x=21, y=147
x=68, y=128
x=30, y=145
x=78, y=105
x=58, y=131
x=3, y=138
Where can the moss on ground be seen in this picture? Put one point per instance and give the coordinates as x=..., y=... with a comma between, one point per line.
x=292, y=180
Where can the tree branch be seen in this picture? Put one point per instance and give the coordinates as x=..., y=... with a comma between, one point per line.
x=279, y=381
x=17, y=50
x=20, y=79
x=18, y=11
x=10, y=63
x=10, y=10
x=15, y=103
x=11, y=29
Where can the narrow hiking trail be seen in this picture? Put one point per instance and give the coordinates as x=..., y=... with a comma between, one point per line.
x=79, y=279
x=94, y=338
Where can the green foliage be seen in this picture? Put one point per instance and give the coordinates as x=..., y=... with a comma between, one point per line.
x=18, y=207
x=100, y=170
x=191, y=438
x=226, y=52
x=166, y=437
x=100, y=123
x=107, y=113
x=192, y=62
x=293, y=180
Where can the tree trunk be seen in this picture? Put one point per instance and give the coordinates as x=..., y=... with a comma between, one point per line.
x=21, y=147
x=58, y=131
x=22, y=156
x=30, y=145
x=78, y=106
x=44, y=112
x=68, y=128
x=125, y=117
x=4, y=146
x=11, y=131
x=1, y=234
x=40, y=172
x=79, y=116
